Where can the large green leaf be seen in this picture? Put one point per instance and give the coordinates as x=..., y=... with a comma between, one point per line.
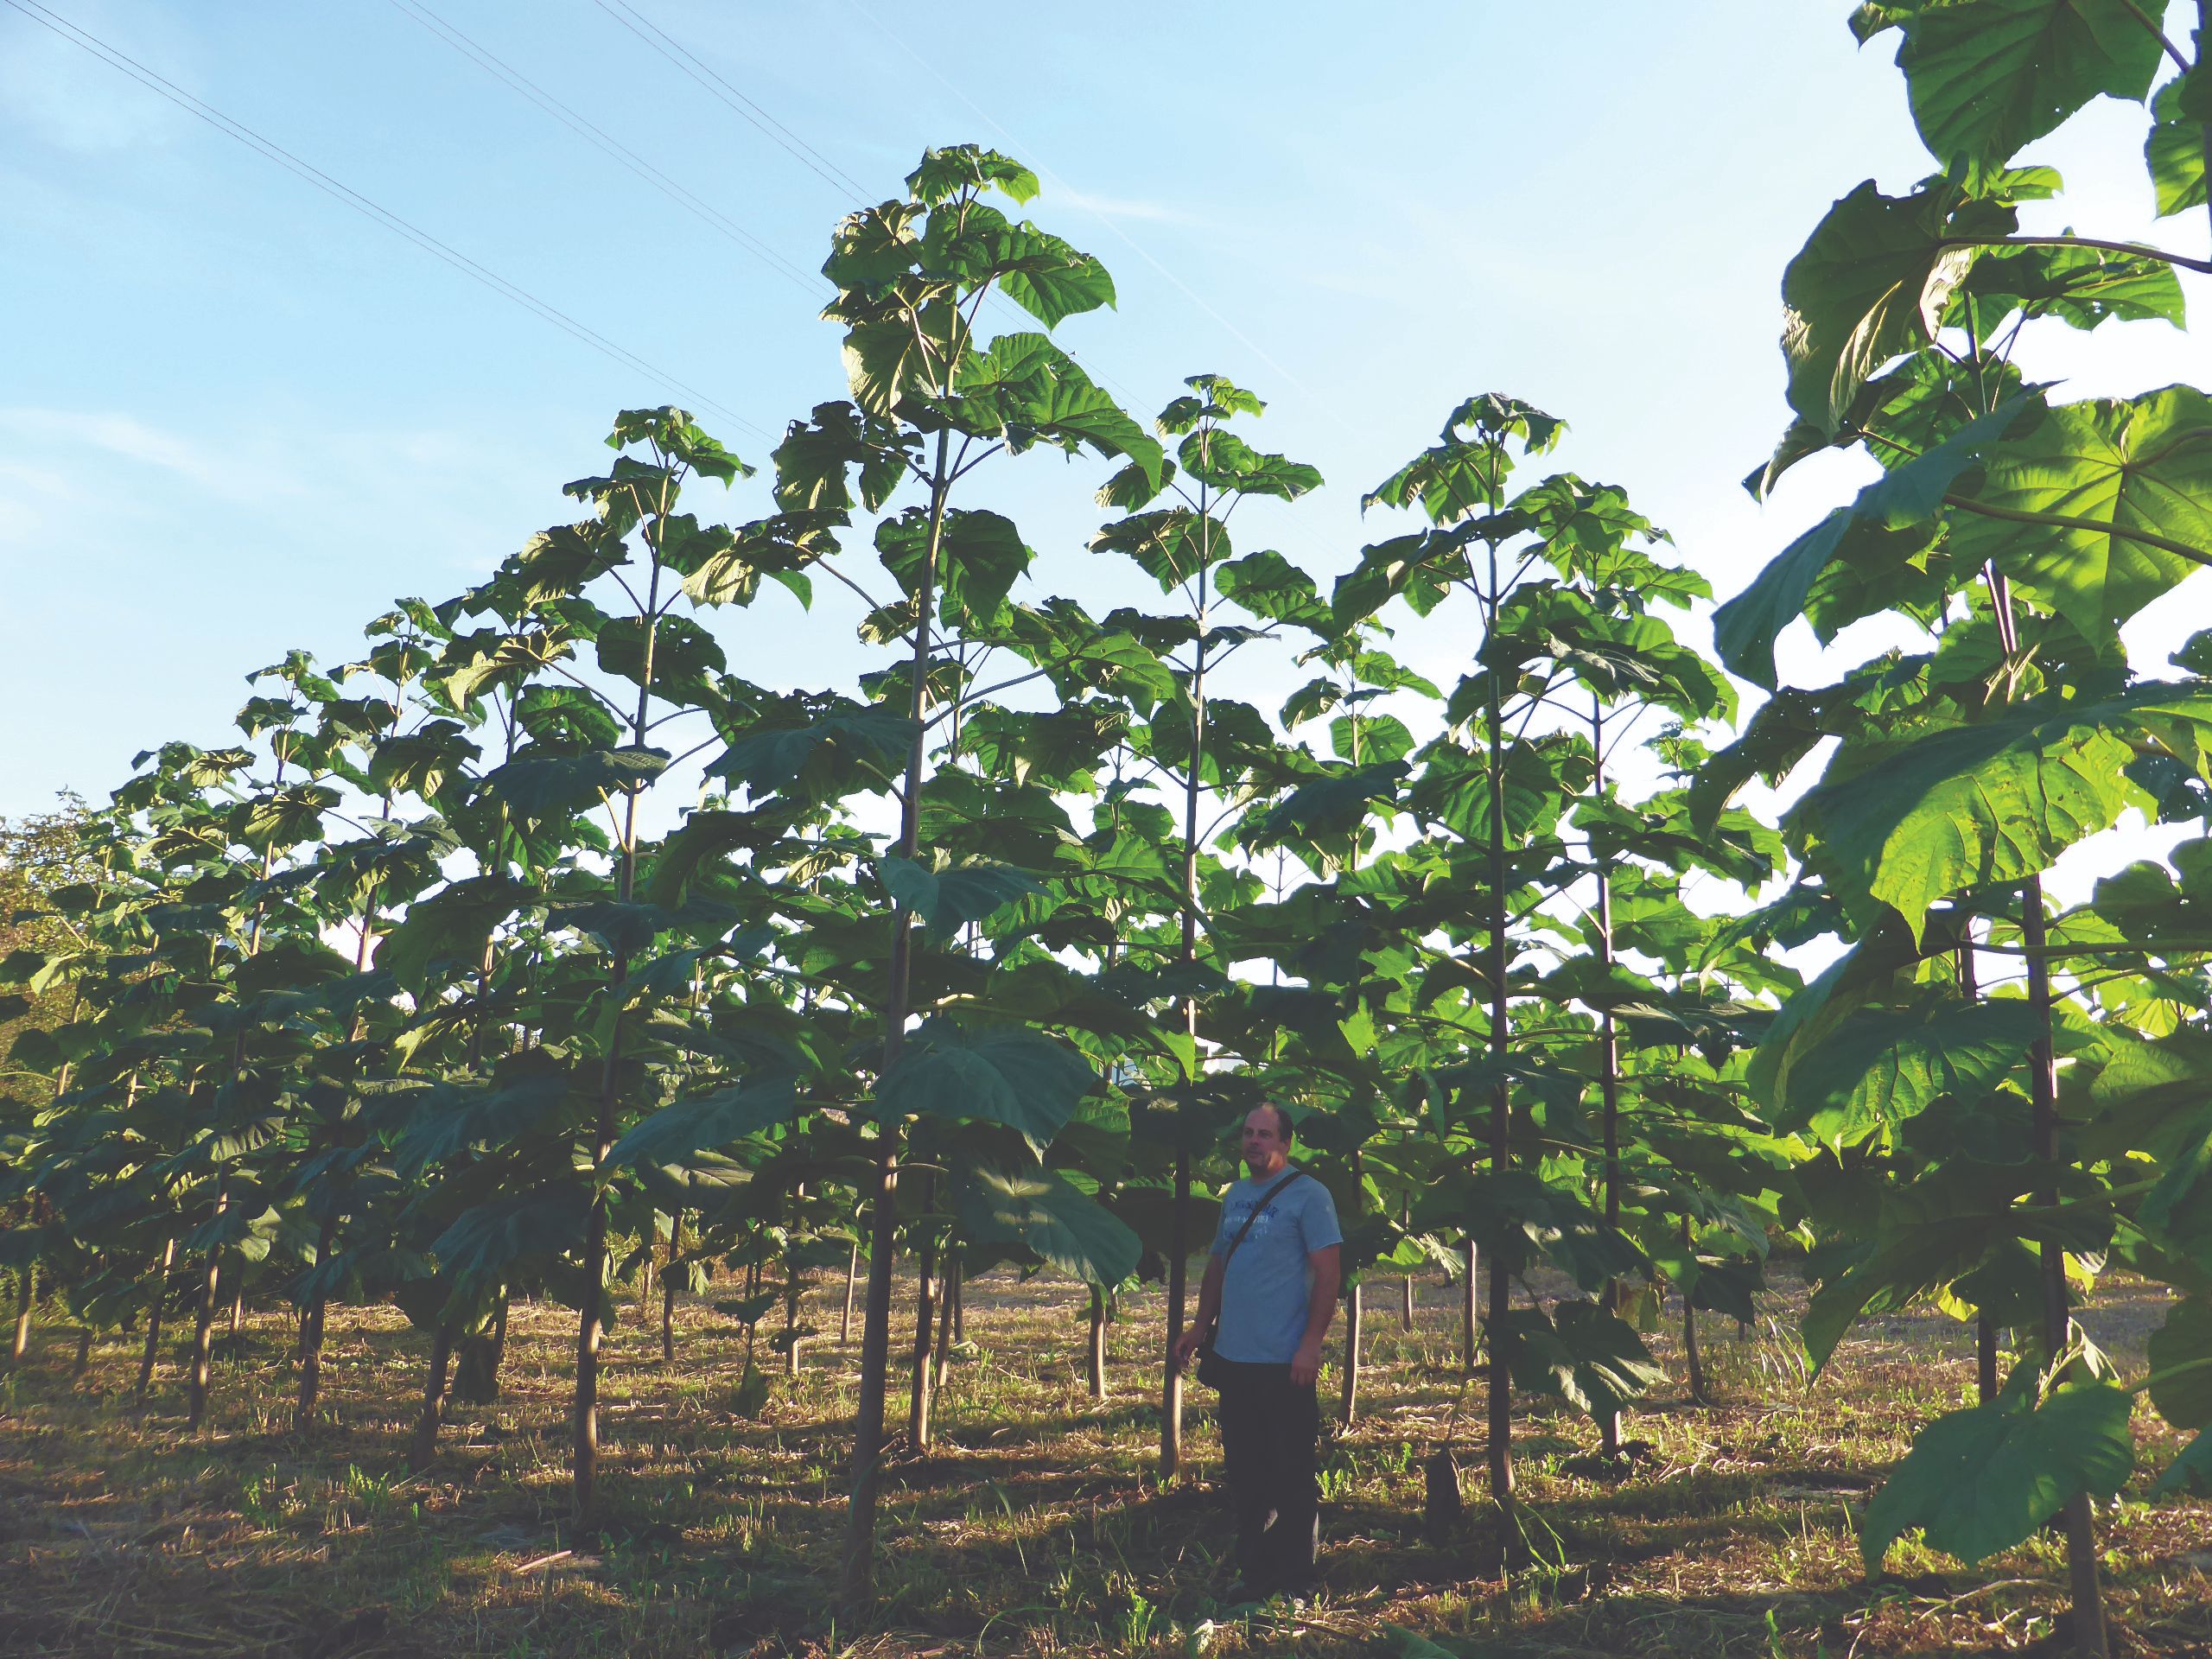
x=1336, y=805
x=536, y=787
x=1006, y=1075
x=1913, y=1260
x=1038, y=271
x=2189, y=1472
x=949, y=896
x=1220, y=459
x=707, y=835
x=2112, y=466
x=680, y=1130
x=2082, y=287
x=1881, y=1066
x=2180, y=1364
x=1983, y=1479
x=451, y=1119
x=1988, y=76
x=490, y=1236
x=1452, y=788
x=2174, y=150
x=1267, y=584
x=843, y=746
x=1585, y=1355
x=1170, y=545
x=1744, y=630
x=1025, y=389
x=980, y=556
x=1871, y=283
x=1039, y=1210
x=1908, y=823
x=455, y=924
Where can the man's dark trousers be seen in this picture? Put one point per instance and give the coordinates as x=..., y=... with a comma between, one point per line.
x=1268, y=1428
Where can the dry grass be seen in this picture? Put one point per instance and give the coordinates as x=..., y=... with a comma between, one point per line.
x=1036, y=1526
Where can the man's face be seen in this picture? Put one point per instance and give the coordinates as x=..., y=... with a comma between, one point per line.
x=1264, y=1149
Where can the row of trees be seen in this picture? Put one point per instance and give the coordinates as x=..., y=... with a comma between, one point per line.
x=424, y=990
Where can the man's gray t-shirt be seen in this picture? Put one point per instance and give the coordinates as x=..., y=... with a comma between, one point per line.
x=1265, y=1293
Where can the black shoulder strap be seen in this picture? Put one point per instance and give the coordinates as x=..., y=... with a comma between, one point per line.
x=1264, y=1202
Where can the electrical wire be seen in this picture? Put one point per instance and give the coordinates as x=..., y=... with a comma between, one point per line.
x=856, y=195
x=681, y=56
x=592, y=134
x=54, y=23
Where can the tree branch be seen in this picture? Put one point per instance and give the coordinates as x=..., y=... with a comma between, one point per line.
x=2164, y=40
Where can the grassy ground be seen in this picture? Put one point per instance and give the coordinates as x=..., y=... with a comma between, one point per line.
x=1036, y=1526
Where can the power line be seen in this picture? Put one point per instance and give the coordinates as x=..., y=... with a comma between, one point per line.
x=583, y=128
x=857, y=194
x=54, y=23
x=681, y=56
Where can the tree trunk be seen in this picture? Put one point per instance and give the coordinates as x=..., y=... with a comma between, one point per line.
x=948, y=1316
x=959, y=1302
x=1985, y=1333
x=1470, y=1309
x=753, y=1330
x=591, y=1316
x=792, y=1289
x=238, y=1317
x=859, y=1579
x=856, y=1587
x=310, y=1348
x=154, y=1319
x=1097, y=1344
x=925, y=1310
x=203, y=1335
x=83, y=1362
x=1689, y=1334
x=852, y=1278
x=1609, y=1066
x=26, y=1298
x=668, y=1291
x=434, y=1398
x=1349, y=1408
x=1171, y=1388
x=584, y=1416
x=476, y=1367
x=1171, y=1382
x=1406, y=1283
x=1501, y=1113
x=2090, y=1641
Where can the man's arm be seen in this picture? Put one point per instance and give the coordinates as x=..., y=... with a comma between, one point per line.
x=1209, y=1310
x=1320, y=1308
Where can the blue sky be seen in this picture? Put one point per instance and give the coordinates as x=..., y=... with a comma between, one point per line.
x=236, y=416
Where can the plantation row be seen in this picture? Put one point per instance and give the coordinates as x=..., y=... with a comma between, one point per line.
x=422, y=991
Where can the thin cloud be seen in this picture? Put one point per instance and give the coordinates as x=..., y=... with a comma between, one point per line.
x=220, y=473
x=1155, y=212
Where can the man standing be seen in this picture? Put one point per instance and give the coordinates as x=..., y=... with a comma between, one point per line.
x=1269, y=1291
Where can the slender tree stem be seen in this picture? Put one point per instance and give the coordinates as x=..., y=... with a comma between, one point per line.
x=425, y=1447
x=154, y=1305
x=858, y=1583
x=2090, y=1641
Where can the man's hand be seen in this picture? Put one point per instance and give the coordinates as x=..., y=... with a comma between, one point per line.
x=1187, y=1345
x=1305, y=1364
